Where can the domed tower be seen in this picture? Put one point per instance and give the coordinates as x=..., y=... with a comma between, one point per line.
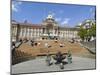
x=49, y=16
x=50, y=26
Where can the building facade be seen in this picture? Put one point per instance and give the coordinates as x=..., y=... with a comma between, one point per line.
x=48, y=29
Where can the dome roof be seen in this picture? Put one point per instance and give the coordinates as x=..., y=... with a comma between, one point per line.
x=49, y=16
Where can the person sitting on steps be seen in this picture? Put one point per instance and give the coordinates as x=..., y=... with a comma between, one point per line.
x=59, y=58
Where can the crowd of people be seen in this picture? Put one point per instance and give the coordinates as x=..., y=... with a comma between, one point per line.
x=58, y=57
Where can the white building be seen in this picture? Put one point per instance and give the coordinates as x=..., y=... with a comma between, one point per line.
x=49, y=29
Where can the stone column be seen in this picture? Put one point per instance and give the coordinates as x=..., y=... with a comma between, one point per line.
x=31, y=33
x=21, y=33
x=53, y=31
x=24, y=32
x=18, y=32
x=28, y=33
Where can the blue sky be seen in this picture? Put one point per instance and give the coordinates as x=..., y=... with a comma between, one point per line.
x=64, y=14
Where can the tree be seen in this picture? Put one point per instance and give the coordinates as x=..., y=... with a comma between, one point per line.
x=82, y=33
x=93, y=30
x=87, y=33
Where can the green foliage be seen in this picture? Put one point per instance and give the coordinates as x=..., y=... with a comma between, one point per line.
x=93, y=30
x=87, y=33
x=82, y=33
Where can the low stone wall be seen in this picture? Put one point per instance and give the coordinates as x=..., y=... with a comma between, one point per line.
x=91, y=46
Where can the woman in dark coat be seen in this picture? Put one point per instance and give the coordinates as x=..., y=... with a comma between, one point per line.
x=59, y=57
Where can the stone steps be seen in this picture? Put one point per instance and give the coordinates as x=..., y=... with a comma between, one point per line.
x=74, y=47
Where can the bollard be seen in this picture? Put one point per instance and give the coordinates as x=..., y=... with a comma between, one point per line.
x=61, y=66
x=69, y=57
x=48, y=60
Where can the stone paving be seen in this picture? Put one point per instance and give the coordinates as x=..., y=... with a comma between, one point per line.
x=39, y=65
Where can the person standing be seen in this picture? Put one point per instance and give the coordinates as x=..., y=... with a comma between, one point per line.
x=46, y=45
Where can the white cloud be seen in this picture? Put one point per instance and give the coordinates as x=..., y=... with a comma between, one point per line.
x=92, y=11
x=15, y=6
x=58, y=19
x=53, y=14
x=65, y=21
